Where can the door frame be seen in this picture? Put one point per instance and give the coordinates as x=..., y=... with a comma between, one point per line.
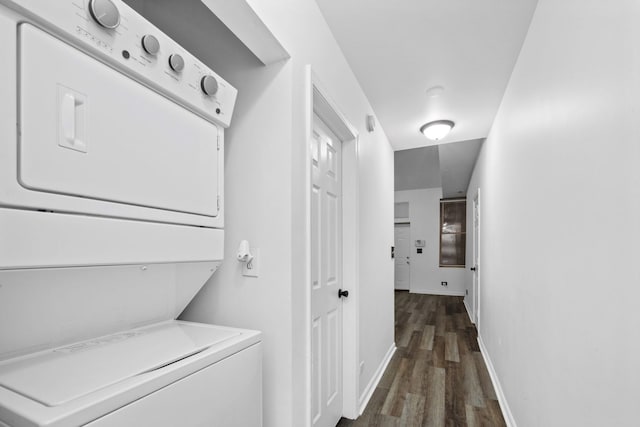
x=476, y=258
x=319, y=102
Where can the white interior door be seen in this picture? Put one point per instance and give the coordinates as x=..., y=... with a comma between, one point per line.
x=326, y=276
x=402, y=242
x=476, y=258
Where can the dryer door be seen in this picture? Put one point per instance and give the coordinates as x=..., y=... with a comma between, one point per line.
x=88, y=131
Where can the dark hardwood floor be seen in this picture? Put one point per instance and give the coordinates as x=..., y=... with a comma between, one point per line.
x=437, y=376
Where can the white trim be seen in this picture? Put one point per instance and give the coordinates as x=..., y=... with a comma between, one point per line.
x=502, y=399
x=371, y=387
x=350, y=278
x=307, y=244
x=466, y=307
x=445, y=293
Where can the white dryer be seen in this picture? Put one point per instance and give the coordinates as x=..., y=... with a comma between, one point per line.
x=111, y=220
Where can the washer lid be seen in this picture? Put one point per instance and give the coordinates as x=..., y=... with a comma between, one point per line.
x=58, y=376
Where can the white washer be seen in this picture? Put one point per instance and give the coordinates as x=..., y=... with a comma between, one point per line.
x=112, y=219
x=168, y=374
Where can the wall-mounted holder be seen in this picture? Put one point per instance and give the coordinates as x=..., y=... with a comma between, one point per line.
x=248, y=256
x=252, y=268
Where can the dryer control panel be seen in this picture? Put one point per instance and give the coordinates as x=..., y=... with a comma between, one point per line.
x=111, y=31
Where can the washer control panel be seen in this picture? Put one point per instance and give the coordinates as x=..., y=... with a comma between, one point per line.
x=113, y=32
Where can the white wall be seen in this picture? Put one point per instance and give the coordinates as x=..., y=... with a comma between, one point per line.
x=559, y=181
x=301, y=28
x=265, y=191
x=425, y=270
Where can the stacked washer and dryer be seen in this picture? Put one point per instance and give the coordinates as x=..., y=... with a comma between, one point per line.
x=111, y=220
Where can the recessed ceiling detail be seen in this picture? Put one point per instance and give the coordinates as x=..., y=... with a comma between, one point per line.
x=448, y=166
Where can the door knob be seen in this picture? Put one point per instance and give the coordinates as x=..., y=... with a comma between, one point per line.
x=473, y=269
x=342, y=293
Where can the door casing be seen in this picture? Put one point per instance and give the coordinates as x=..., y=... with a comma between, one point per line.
x=320, y=103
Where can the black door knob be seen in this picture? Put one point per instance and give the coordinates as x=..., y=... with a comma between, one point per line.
x=342, y=293
x=473, y=269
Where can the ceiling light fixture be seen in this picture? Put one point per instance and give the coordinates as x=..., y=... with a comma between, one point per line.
x=437, y=130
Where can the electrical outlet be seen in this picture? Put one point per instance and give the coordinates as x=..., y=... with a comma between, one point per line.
x=444, y=284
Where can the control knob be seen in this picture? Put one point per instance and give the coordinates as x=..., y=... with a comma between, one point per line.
x=105, y=13
x=176, y=62
x=150, y=44
x=209, y=85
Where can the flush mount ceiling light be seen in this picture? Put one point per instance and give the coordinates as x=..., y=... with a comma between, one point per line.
x=437, y=130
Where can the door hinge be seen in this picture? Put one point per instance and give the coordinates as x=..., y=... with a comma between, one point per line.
x=218, y=203
x=218, y=142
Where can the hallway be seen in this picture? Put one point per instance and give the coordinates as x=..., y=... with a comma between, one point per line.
x=437, y=376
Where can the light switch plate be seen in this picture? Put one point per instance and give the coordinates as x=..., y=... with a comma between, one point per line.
x=252, y=269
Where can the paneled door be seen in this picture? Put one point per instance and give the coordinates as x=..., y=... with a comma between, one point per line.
x=402, y=242
x=326, y=276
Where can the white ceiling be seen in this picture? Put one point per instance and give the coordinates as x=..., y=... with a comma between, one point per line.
x=400, y=49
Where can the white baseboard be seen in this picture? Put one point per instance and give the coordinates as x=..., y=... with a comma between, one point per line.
x=371, y=387
x=466, y=306
x=446, y=293
x=504, y=406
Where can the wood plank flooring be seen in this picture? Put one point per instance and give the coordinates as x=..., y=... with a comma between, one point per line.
x=437, y=377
